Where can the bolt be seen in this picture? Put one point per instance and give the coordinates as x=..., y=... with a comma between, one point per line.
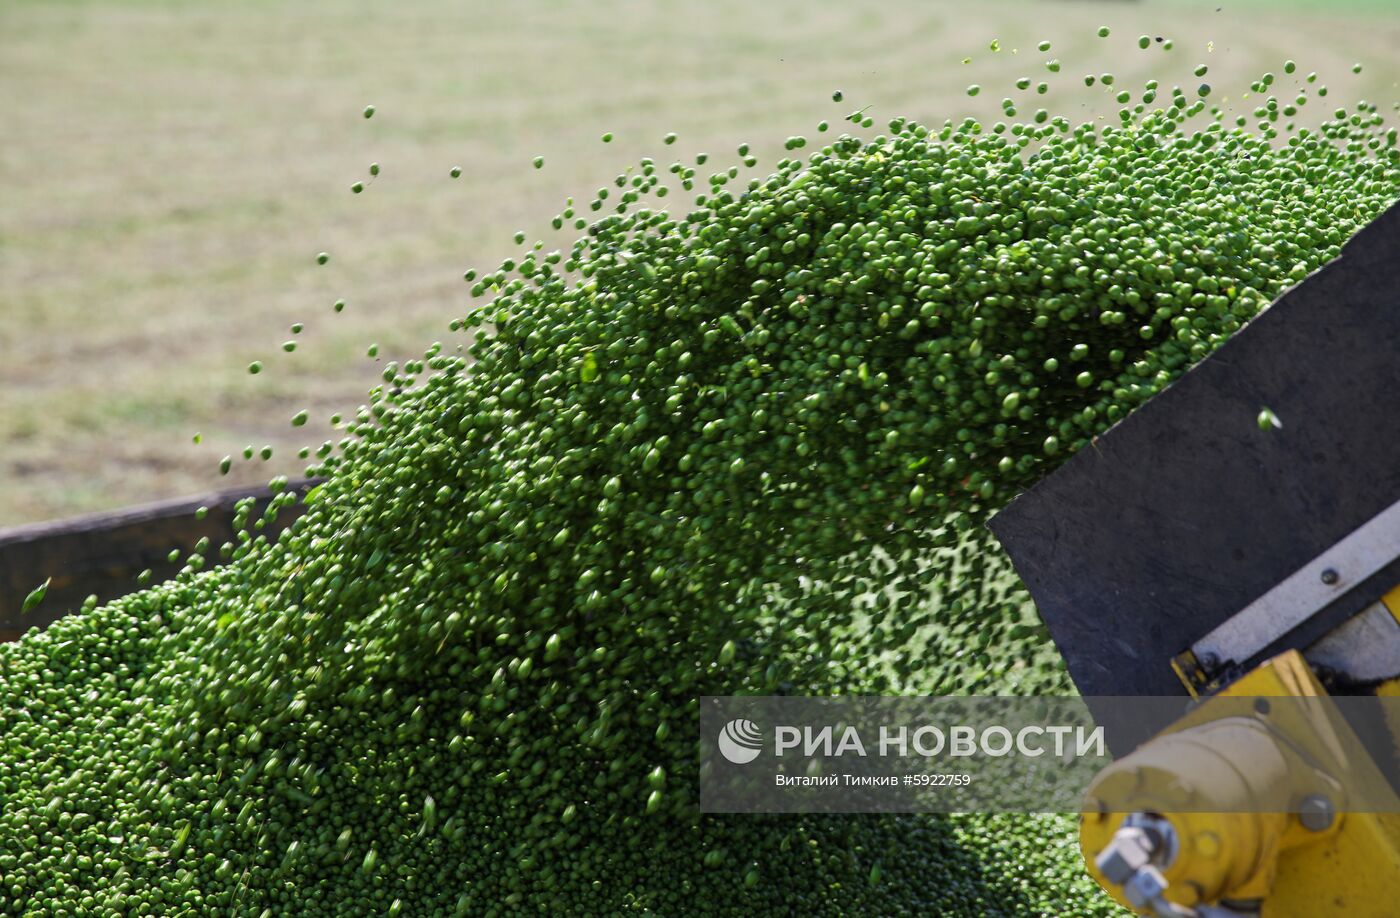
x=1330, y=576
x=1315, y=813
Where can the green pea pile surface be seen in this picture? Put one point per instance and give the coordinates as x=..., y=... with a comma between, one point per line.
x=746, y=447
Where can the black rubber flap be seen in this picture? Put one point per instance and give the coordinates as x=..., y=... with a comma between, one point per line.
x=1180, y=516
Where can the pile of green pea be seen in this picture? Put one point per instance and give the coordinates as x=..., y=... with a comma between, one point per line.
x=743, y=446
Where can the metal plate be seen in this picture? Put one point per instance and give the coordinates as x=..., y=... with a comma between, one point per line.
x=1309, y=590
x=1186, y=512
x=1365, y=649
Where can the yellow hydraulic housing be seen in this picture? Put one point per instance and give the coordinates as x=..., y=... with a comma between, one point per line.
x=1203, y=793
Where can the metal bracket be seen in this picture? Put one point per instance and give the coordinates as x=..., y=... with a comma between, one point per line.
x=1303, y=594
x=1364, y=648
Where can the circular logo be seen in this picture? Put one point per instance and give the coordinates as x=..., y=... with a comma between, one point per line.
x=740, y=741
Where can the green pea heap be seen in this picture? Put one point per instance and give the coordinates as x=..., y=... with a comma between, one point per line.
x=744, y=449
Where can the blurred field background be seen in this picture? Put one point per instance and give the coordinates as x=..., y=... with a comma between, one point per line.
x=169, y=170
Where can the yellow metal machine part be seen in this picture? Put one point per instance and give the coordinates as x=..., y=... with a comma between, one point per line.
x=1235, y=753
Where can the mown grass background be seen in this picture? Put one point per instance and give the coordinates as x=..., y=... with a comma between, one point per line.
x=169, y=170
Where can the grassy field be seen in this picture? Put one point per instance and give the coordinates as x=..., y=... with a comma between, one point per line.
x=169, y=170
